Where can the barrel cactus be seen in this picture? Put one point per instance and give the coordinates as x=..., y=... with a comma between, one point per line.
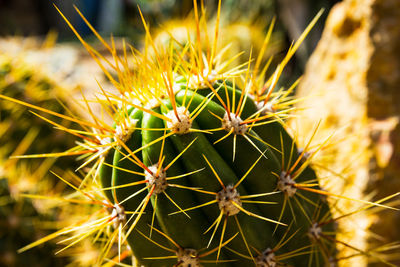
x=231, y=181
x=208, y=170
x=198, y=167
x=21, y=133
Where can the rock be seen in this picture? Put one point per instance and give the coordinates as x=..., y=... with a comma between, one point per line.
x=353, y=78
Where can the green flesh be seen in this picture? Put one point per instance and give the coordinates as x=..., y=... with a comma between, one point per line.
x=230, y=167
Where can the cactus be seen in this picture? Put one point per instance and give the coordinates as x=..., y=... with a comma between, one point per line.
x=22, y=81
x=236, y=169
x=198, y=167
x=190, y=149
x=243, y=188
x=19, y=134
x=20, y=221
x=241, y=37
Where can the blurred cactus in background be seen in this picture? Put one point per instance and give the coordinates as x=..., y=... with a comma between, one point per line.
x=241, y=38
x=42, y=73
x=23, y=75
x=20, y=224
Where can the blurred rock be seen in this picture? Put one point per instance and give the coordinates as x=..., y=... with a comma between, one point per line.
x=354, y=79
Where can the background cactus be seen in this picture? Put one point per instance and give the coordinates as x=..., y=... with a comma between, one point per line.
x=22, y=132
x=19, y=220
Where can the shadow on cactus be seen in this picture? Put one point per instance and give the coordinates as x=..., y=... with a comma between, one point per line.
x=198, y=168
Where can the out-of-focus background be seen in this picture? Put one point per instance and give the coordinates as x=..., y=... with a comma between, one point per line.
x=121, y=17
x=356, y=60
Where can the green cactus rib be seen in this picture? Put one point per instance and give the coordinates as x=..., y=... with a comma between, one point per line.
x=119, y=177
x=261, y=178
x=213, y=194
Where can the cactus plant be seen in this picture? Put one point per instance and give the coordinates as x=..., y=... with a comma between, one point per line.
x=20, y=134
x=234, y=175
x=198, y=167
x=22, y=81
x=239, y=171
